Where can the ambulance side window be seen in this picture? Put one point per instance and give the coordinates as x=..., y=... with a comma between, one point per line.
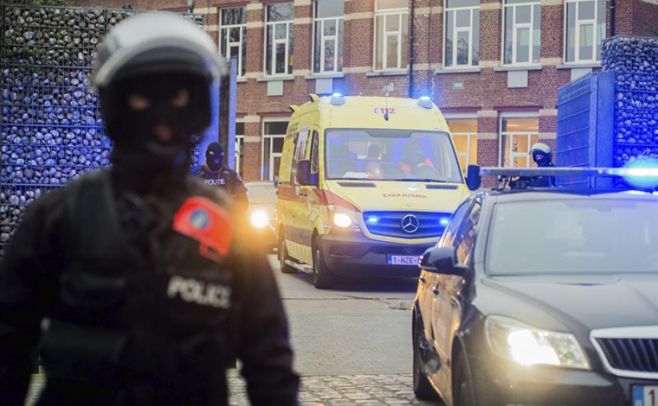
x=315, y=159
x=300, y=152
x=287, y=157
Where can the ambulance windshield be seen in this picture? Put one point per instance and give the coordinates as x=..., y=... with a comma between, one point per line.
x=401, y=155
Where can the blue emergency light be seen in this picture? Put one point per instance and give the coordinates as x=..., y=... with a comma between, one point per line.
x=337, y=99
x=425, y=102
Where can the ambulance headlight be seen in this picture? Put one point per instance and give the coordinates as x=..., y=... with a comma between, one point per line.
x=259, y=219
x=342, y=220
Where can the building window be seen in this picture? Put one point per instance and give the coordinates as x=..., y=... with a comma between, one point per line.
x=462, y=33
x=391, y=27
x=517, y=135
x=239, y=148
x=585, y=29
x=464, y=135
x=522, y=22
x=232, y=35
x=328, y=36
x=274, y=133
x=278, y=46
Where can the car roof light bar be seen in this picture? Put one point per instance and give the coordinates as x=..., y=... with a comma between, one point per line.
x=554, y=171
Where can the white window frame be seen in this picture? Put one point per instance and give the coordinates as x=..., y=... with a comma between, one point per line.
x=594, y=22
x=239, y=139
x=513, y=134
x=470, y=30
x=515, y=28
x=386, y=13
x=230, y=44
x=338, y=49
x=272, y=154
x=276, y=42
x=469, y=137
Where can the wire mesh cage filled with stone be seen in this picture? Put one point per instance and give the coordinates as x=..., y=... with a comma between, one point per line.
x=50, y=125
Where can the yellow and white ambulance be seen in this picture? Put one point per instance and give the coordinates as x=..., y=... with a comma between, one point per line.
x=365, y=185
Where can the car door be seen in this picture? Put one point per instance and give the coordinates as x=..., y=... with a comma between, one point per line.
x=309, y=199
x=447, y=309
x=428, y=280
x=297, y=237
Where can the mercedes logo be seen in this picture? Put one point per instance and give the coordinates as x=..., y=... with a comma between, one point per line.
x=410, y=223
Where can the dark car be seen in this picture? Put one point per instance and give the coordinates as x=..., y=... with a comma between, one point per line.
x=262, y=211
x=541, y=296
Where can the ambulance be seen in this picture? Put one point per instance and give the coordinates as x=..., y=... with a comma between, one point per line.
x=365, y=185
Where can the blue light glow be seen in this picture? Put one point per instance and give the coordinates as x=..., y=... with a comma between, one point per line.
x=424, y=98
x=337, y=94
x=641, y=173
x=444, y=221
x=372, y=220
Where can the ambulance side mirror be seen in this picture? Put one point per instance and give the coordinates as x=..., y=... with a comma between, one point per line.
x=304, y=175
x=473, y=178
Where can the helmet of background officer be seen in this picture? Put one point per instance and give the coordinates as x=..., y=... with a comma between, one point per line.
x=215, y=156
x=153, y=75
x=541, y=154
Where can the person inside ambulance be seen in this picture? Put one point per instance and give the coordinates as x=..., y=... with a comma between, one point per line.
x=414, y=163
x=373, y=157
x=132, y=280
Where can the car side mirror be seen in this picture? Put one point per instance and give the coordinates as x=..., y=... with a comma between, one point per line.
x=442, y=260
x=304, y=175
x=473, y=178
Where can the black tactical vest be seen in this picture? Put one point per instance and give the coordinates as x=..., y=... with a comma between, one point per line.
x=153, y=330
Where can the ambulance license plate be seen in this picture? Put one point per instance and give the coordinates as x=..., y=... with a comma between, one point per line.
x=645, y=395
x=402, y=260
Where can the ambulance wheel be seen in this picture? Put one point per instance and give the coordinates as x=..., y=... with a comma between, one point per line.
x=322, y=277
x=283, y=256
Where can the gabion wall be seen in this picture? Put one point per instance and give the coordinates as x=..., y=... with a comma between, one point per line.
x=635, y=64
x=51, y=129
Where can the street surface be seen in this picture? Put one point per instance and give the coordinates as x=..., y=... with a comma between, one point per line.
x=352, y=344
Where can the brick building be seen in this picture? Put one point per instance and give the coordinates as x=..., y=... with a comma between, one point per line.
x=492, y=66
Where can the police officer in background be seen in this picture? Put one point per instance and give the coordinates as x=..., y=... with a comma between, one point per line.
x=132, y=281
x=541, y=155
x=216, y=174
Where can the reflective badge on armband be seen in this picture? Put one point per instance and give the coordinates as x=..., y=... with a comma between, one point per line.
x=207, y=223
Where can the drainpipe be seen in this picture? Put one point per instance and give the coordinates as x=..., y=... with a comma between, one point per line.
x=411, y=48
x=613, y=12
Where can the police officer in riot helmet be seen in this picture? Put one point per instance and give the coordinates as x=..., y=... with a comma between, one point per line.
x=132, y=281
x=541, y=155
x=215, y=173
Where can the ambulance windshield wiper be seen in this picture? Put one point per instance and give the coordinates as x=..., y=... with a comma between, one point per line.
x=422, y=180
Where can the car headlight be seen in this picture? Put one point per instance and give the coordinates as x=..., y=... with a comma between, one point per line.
x=343, y=218
x=259, y=218
x=528, y=346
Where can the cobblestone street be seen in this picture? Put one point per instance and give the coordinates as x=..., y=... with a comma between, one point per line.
x=344, y=390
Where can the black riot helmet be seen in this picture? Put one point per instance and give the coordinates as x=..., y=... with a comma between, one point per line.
x=215, y=156
x=153, y=75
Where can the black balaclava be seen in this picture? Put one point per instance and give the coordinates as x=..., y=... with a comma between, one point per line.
x=215, y=156
x=542, y=159
x=153, y=120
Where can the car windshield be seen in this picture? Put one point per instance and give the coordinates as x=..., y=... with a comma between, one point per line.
x=261, y=193
x=573, y=236
x=390, y=155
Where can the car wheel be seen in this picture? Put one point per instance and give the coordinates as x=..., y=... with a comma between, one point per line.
x=283, y=256
x=422, y=387
x=462, y=384
x=322, y=278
